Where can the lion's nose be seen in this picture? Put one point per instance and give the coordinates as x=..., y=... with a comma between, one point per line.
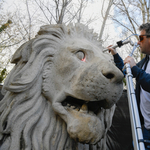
x=113, y=74
x=109, y=75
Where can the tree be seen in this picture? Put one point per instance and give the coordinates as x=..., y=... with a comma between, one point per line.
x=6, y=25
x=129, y=15
x=3, y=75
x=10, y=39
x=54, y=12
x=105, y=16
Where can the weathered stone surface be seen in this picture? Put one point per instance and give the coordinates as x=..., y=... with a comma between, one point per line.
x=1, y=96
x=61, y=92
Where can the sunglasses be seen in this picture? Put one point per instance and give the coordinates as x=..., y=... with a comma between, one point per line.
x=141, y=37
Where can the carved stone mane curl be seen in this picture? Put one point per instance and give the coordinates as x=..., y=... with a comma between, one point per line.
x=26, y=115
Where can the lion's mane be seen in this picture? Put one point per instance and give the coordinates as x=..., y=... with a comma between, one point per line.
x=27, y=120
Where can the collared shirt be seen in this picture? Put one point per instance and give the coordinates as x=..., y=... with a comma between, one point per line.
x=145, y=102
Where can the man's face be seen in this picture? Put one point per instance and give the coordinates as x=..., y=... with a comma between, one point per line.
x=145, y=43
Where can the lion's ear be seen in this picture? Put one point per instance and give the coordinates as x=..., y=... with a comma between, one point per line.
x=23, y=52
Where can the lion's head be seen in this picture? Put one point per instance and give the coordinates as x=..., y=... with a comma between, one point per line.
x=62, y=90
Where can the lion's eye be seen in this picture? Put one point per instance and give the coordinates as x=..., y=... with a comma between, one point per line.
x=80, y=55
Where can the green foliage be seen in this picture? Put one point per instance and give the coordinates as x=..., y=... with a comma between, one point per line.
x=3, y=72
x=4, y=26
x=124, y=81
x=3, y=75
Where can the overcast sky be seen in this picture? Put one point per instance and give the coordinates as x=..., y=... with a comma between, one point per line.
x=94, y=10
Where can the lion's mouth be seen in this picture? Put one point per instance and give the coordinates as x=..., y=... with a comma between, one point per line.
x=87, y=122
x=92, y=107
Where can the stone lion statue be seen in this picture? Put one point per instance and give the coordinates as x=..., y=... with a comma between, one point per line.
x=61, y=93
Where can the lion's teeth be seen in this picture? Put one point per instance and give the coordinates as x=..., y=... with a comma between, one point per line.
x=68, y=105
x=73, y=107
x=84, y=108
x=77, y=109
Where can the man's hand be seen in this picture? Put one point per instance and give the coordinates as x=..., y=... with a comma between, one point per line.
x=130, y=60
x=112, y=50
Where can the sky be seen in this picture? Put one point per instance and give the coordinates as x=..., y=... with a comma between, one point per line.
x=93, y=11
x=111, y=32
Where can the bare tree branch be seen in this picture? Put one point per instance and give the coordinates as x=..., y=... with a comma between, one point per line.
x=105, y=18
x=29, y=36
x=44, y=11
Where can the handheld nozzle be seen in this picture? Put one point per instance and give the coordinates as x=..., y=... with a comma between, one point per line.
x=120, y=43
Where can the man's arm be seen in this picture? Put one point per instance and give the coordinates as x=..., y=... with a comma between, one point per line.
x=118, y=61
x=142, y=78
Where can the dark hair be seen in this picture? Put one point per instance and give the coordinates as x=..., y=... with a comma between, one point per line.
x=146, y=27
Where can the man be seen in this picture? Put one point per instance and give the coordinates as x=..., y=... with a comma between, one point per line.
x=141, y=71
